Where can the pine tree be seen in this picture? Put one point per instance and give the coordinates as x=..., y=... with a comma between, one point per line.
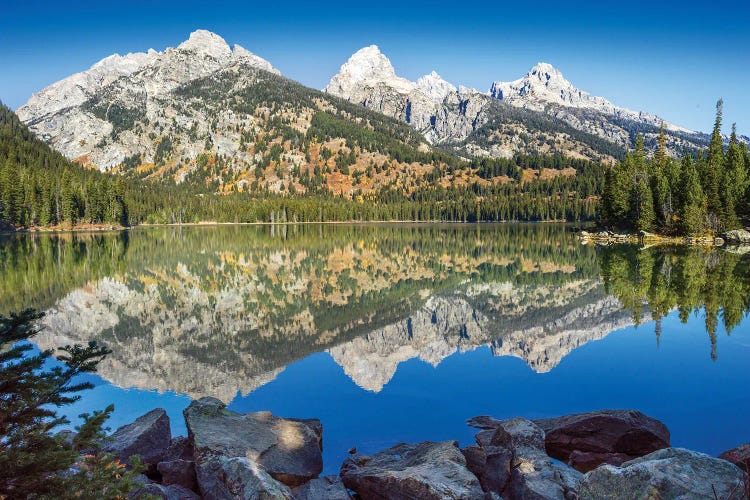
x=662, y=193
x=693, y=202
x=734, y=182
x=33, y=461
x=642, y=214
x=713, y=168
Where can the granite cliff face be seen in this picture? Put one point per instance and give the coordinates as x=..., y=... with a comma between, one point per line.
x=436, y=108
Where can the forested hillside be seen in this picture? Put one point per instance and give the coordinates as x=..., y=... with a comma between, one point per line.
x=38, y=187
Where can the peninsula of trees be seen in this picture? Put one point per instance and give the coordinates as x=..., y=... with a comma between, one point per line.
x=701, y=194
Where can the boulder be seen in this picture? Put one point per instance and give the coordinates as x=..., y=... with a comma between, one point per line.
x=533, y=474
x=240, y=477
x=667, y=473
x=739, y=456
x=491, y=465
x=287, y=449
x=171, y=492
x=586, y=440
x=179, y=449
x=181, y=472
x=148, y=436
x=329, y=487
x=530, y=472
x=425, y=471
x=737, y=236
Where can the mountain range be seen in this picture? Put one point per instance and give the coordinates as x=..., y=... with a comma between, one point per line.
x=474, y=122
x=223, y=116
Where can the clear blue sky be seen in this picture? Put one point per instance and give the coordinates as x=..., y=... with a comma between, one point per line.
x=670, y=58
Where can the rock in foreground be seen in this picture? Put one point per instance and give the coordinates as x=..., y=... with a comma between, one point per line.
x=587, y=440
x=158, y=491
x=149, y=436
x=533, y=473
x=288, y=450
x=739, y=456
x=665, y=474
x=425, y=471
x=329, y=487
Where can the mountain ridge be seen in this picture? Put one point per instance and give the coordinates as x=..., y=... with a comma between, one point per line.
x=542, y=90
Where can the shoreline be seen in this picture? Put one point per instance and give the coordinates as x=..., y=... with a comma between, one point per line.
x=618, y=454
x=730, y=238
x=110, y=228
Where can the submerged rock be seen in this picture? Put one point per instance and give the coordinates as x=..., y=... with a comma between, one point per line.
x=586, y=440
x=739, y=456
x=149, y=436
x=329, y=487
x=289, y=450
x=426, y=471
x=671, y=473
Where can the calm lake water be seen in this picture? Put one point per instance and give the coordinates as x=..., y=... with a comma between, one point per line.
x=395, y=333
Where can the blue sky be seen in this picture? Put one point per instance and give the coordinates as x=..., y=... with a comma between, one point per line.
x=670, y=58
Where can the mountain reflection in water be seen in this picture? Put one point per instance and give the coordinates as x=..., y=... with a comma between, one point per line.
x=221, y=310
x=213, y=310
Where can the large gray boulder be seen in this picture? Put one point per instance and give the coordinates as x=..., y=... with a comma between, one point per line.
x=171, y=492
x=671, y=473
x=491, y=464
x=148, y=436
x=586, y=440
x=289, y=450
x=240, y=478
x=180, y=448
x=329, y=488
x=422, y=471
x=739, y=456
x=181, y=472
x=510, y=460
x=533, y=474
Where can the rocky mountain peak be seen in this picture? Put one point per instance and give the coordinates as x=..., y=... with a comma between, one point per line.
x=206, y=42
x=73, y=116
x=367, y=66
x=435, y=87
x=546, y=72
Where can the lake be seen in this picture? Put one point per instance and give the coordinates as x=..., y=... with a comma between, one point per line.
x=397, y=332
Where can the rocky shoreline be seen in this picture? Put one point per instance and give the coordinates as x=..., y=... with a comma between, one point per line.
x=738, y=238
x=604, y=454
